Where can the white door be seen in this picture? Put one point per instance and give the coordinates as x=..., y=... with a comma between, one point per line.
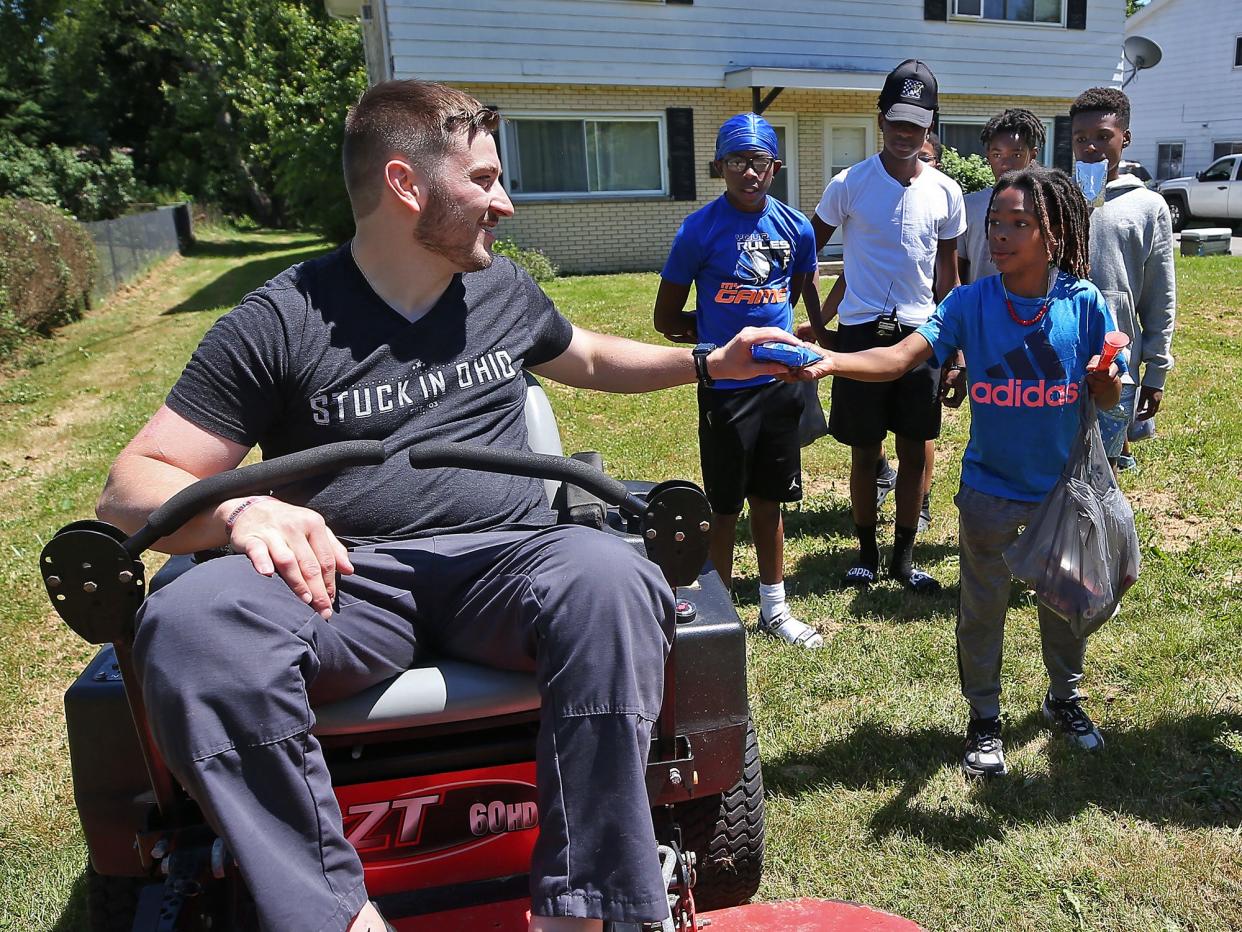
x=1235, y=193
x=1210, y=196
x=847, y=140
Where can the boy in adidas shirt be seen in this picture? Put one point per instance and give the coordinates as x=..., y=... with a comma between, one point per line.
x=1032, y=336
x=901, y=219
x=747, y=255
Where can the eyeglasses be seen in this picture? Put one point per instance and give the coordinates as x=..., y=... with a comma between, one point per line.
x=738, y=163
x=924, y=157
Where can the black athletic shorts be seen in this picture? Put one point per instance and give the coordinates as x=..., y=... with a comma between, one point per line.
x=863, y=413
x=748, y=444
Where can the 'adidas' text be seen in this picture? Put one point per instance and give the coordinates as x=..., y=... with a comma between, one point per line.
x=1017, y=394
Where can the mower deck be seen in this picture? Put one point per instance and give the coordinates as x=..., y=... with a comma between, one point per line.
x=804, y=915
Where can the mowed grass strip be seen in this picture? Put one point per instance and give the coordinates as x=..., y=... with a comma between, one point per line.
x=860, y=740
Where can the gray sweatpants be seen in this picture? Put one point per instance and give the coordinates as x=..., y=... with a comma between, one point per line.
x=232, y=664
x=986, y=526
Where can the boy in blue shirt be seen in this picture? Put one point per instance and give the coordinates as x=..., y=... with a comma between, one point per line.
x=1031, y=336
x=748, y=255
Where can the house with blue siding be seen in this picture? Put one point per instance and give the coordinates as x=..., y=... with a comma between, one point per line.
x=611, y=106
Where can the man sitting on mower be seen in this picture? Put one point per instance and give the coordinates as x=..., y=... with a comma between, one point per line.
x=409, y=332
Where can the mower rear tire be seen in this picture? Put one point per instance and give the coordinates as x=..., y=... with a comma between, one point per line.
x=726, y=832
x=111, y=902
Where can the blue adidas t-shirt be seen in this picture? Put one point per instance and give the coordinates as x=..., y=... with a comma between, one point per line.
x=741, y=264
x=1026, y=383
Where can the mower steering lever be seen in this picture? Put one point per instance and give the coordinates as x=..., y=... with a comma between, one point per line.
x=530, y=465
x=252, y=480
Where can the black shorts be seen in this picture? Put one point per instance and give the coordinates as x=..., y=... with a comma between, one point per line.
x=748, y=444
x=863, y=413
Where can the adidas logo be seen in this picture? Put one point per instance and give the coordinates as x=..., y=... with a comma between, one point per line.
x=1016, y=394
x=1034, y=378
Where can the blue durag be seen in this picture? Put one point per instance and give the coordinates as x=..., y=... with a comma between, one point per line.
x=746, y=132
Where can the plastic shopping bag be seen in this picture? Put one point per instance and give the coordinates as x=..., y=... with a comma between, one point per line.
x=1080, y=552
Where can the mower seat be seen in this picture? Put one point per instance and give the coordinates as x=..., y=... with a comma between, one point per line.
x=442, y=690
x=433, y=693
x=437, y=691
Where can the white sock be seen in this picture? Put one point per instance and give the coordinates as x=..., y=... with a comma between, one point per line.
x=772, y=600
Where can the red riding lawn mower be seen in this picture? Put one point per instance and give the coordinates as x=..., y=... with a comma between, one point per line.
x=434, y=769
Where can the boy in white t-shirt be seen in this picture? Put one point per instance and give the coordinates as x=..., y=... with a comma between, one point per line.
x=901, y=219
x=1011, y=140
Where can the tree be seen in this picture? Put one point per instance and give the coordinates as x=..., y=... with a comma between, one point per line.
x=260, y=103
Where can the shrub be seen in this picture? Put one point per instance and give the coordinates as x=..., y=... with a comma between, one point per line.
x=89, y=184
x=47, y=268
x=972, y=172
x=534, y=261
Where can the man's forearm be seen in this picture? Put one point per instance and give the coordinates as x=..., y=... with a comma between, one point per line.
x=137, y=485
x=616, y=364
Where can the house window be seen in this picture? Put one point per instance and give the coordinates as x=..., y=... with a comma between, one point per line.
x=962, y=133
x=1237, y=51
x=594, y=156
x=1014, y=11
x=1221, y=149
x=785, y=185
x=1169, y=160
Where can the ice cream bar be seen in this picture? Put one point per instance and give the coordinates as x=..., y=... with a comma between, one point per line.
x=1114, y=342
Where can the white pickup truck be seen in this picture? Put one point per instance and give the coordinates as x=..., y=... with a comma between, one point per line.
x=1213, y=194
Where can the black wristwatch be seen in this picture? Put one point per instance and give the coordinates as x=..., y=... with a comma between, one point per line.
x=700, y=354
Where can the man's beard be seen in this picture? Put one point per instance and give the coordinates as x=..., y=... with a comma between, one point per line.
x=445, y=230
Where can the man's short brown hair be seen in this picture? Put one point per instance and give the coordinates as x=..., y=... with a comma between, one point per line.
x=418, y=120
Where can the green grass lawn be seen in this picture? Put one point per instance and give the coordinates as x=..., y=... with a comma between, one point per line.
x=860, y=740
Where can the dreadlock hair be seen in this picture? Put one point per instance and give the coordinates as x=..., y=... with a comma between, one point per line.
x=1103, y=100
x=1062, y=213
x=1021, y=122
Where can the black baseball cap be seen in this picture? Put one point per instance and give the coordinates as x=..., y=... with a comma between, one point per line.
x=909, y=94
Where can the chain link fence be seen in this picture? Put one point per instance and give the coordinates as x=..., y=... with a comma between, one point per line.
x=129, y=245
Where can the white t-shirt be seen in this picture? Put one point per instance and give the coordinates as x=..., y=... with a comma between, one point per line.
x=973, y=244
x=891, y=232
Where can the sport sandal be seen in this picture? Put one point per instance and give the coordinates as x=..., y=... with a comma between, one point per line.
x=791, y=630
x=859, y=575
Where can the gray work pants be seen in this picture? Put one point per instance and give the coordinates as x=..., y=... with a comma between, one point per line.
x=986, y=526
x=232, y=664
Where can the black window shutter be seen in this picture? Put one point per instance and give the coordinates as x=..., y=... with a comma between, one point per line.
x=1076, y=14
x=681, y=153
x=936, y=9
x=679, y=2
x=1062, y=146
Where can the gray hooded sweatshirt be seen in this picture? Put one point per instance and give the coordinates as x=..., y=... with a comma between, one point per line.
x=1132, y=265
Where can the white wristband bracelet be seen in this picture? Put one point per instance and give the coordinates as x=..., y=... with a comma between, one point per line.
x=236, y=512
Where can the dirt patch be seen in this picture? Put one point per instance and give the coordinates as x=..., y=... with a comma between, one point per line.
x=837, y=486
x=1175, y=529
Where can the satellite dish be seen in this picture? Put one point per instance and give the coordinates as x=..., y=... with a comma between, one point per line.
x=1139, y=52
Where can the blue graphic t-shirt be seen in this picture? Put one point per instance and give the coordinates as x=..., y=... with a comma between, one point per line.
x=741, y=264
x=1025, y=382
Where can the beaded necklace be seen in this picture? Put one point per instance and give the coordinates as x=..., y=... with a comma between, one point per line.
x=1043, y=309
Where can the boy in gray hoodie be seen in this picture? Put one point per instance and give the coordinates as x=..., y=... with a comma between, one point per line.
x=1131, y=260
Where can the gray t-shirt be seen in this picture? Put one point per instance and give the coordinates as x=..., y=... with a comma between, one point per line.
x=973, y=244
x=315, y=356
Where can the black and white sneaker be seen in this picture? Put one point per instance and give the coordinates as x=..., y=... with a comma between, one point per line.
x=1068, y=717
x=985, y=752
x=885, y=481
x=925, y=513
